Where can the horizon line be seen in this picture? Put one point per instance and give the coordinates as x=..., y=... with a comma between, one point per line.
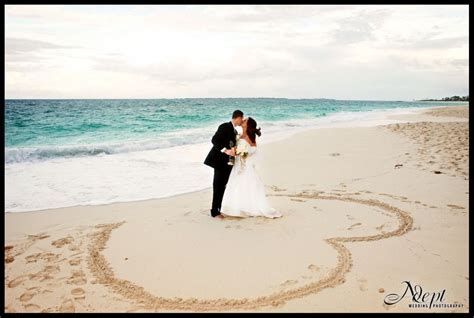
x=314, y=98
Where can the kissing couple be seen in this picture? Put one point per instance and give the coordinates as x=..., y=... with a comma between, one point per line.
x=237, y=187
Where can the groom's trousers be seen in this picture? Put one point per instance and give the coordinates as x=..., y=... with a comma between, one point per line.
x=221, y=176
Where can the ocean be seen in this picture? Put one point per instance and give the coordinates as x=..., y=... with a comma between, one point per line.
x=61, y=153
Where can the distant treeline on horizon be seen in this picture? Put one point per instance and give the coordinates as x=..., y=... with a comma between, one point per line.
x=450, y=99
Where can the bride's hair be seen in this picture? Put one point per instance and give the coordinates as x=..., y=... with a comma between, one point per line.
x=252, y=130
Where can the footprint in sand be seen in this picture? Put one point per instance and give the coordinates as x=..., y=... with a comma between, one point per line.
x=36, y=276
x=45, y=274
x=46, y=277
x=313, y=267
x=275, y=188
x=51, y=269
x=50, y=257
x=187, y=213
x=75, y=262
x=288, y=282
x=9, y=310
x=362, y=284
x=354, y=225
x=29, y=294
x=67, y=306
x=78, y=293
x=73, y=248
x=38, y=236
x=33, y=257
x=32, y=308
x=380, y=227
x=77, y=278
x=17, y=281
x=454, y=206
x=204, y=212
x=49, y=309
x=63, y=241
x=9, y=259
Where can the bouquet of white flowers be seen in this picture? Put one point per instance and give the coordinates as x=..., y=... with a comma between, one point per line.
x=242, y=150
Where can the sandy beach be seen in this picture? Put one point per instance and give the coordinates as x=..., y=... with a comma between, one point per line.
x=364, y=209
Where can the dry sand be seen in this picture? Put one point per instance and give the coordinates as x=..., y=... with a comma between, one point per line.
x=363, y=211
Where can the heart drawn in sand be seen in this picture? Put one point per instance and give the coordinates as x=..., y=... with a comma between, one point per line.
x=104, y=274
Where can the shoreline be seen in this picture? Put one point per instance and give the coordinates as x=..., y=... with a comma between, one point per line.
x=413, y=113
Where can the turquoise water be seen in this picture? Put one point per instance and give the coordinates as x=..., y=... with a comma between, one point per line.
x=43, y=129
x=61, y=153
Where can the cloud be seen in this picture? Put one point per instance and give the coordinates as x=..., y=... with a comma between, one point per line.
x=439, y=66
x=259, y=63
x=19, y=46
x=267, y=13
x=433, y=43
x=361, y=26
x=242, y=50
x=27, y=55
x=57, y=14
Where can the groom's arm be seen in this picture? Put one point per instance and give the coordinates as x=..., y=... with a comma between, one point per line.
x=218, y=140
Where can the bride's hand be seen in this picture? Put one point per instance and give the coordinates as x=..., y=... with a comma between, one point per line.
x=230, y=152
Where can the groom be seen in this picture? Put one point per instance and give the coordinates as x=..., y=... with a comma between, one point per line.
x=224, y=141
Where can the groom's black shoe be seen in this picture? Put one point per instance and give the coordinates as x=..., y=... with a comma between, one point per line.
x=215, y=213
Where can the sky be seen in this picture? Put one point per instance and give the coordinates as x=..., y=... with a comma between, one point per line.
x=352, y=52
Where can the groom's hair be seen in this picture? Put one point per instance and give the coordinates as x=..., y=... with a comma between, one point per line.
x=237, y=113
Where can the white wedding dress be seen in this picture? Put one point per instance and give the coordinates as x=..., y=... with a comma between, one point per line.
x=245, y=192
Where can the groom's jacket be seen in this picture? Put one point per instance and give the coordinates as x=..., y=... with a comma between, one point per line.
x=225, y=134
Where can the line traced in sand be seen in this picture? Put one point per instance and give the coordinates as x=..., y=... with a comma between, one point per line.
x=104, y=274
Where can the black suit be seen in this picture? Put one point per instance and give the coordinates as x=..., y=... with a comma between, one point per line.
x=218, y=160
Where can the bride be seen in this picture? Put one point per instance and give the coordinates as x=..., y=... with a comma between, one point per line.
x=245, y=192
